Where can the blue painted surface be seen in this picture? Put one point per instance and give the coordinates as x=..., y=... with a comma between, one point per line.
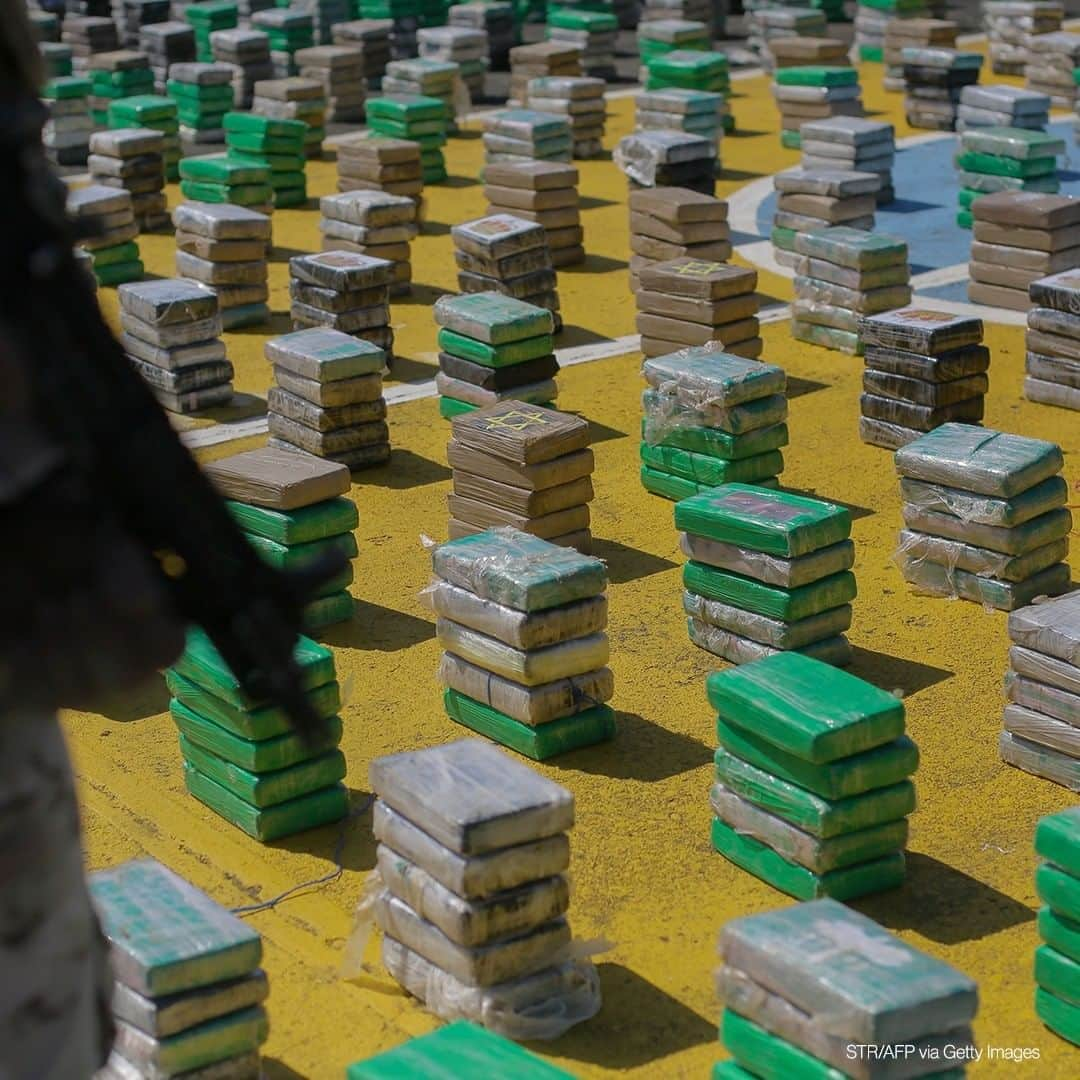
x=924, y=212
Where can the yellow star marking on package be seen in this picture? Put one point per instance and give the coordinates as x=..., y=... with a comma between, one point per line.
x=517, y=420
x=701, y=269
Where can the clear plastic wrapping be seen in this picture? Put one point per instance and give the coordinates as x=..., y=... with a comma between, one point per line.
x=917, y=547
x=853, y=248
x=643, y=154
x=940, y=580
x=242, y=1067
x=703, y=376
x=817, y=313
x=838, y=183
x=862, y=302
x=770, y=569
x=977, y=509
x=1058, y=291
x=775, y=632
x=921, y=330
x=1010, y=540
x=162, y=1017
x=1045, y=669
x=1049, y=700
x=741, y=650
x=1039, y=760
x=1043, y=730
x=1051, y=627
x=664, y=414
x=168, y=301
x=1019, y=143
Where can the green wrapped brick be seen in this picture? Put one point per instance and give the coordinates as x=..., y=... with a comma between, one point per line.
x=877, y=768
x=496, y=356
x=775, y=522
x=1060, y=933
x=237, y=194
x=326, y=611
x=1057, y=839
x=1058, y=889
x=816, y=75
x=853, y=248
x=541, y=742
x=316, y=522
x=1059, y=1016
x=668, y=486
x=774, y=601
x=460, y=1050
x=290, y=557
x=671, y=431
x=256, y=724
x=780, y=236
x=143, y=110
x=119, y=253
x=405, y=108
x=252, y=123
x=256, y=142
x=492, y=318
x=805, y=707
x=760, y=860
x=450, y=407
x=119, y=273
x=267, y=788
x=307, y=812
x=223, y=169
x=711, y=471
x=993, y=165
x=1057, y=974
x=790, y=140
x=820, y=817
x=66, y=88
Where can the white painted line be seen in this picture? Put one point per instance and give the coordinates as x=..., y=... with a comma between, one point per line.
x=945, y=275
x=223, y=433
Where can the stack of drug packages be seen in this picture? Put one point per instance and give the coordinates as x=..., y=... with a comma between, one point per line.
x=1002, y=106
x=689, y=301
x=1042, y=686
x=656, y=159
x=494, y=19
x=657, y=37
x=768, y=23
x=87, y=35
x=1022, y=235
x=872, y=18
x=371, y=37
x=671, y=222
x=226, y=248
x=934, y=79
x=581, y=101
x=1010, y=26
x=710, y=418
x=692, y=70
x=852, y=142
x=113, y=246
x=224, y=179
x=769, y=572
x=295, y=510
x=459, y=1046
x=204, y=94
x=419, y=119
x=131, y=158
x=55, y=58
x=806, y=52
x=172, y=337
x=817, y=989
x=66, y=133
x=809, y=199
x=981, y=520
x=248, y=51
x=400, y=18
x=923, y=369
x=697, y=112
x=241, y=757
x=509, y=255
x=593, y=32
x=45, y=26
x=294, y=99
x=425, y=78
x=152, y=111
x=502, y=441
x=328, y=398
x=522, y=622
x=279, y=146
x=325, y=13
x=491, y=348
x=1052, y=59
x=820, y=748
x=205, y=19
x=814, y=93
x=345, y=291
x=187, y=989
x=373, y=223
x=1057, y=960
x=115, y=75
x=544, y=59
x=843, y=274
x=1052, y=363
x=289, y=30
x=472, y=859
x=131, y=16
x=699, y=11
x=166, y=43
x=526, y=135
x=919, y=33
x=544, y=192
x=339, y=69
x=367, y=162
x=466, y=49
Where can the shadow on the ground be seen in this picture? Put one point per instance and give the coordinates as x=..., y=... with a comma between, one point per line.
x=378, y=628
x=627, y=563
x=895, y=673
x=641, y=750
x=406, y=469
x=348, y=843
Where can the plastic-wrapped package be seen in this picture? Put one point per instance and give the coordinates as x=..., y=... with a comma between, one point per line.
x=743, y=650
x=532, y=667
x=890, y=436
x=938, y=580
x=883, y=765
x=327, y=518
x=807, y=811
x=492, y=317
x=921, y=330
x=1020, y=539
x=853, y=248
x=774, y=632
x=519, y=570
x=790, y=605
x=532, y=705
x=773, y=1012
x=830, y=316
x=805, y=708
x=1059, y=291
x=864, y=280
x=857, y=980
x=919, y=417
x=162, y=1017
x=1045, y=669
x=702, y=376
x=709, y=471
x=837, y=183
x=475, y=875
x=1051, y=627
x=777, y=523
x=788, y=573
x=473, y=922
x=1050, y=321
x=665, y=413
x=1057, y=932
x=979, y=460
x=242, y=1067
x=923, y=392
x=861, y=301
x=816, y=854
x=1056, y=840
x=1039, y=760
x=1043, y=730
x=540, y=1006
x=827, y=336
x=1051, y=393
x=984, y=509
x=169, y=301
x=526, y=436
x=325, y=355
x=1049, y=700
x=643, y=154
x=531, y=504
x=1019, y=143
x=954, y=555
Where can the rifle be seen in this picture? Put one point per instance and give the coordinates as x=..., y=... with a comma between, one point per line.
x=119, y=438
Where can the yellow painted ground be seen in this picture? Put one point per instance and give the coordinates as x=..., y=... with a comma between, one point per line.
x=645, y=876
